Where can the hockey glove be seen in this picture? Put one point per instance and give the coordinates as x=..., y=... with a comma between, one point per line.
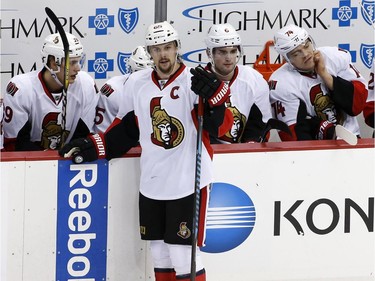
x=326, y=130
x=312, y=127
x=208, y=86
x=85, y=149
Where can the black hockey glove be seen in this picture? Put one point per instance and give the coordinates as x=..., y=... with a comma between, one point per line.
x=312, y=127
x=85, y=149
x=208, y=86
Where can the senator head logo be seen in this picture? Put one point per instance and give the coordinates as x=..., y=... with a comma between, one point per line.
x=168, y=131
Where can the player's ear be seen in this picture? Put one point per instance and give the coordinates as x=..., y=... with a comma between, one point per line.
x=51, y=63
x=208, y=53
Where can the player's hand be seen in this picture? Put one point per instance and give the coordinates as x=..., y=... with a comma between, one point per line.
x=326, y=130
x=319, y=62
x=321, y=70
x=208, y=86
x=84, y=149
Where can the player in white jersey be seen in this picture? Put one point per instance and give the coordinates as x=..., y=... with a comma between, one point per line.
x=368, y=111
x=159, y=109
x=249, y=98
x=110, y=92
x=316, y=89
x=33, y=101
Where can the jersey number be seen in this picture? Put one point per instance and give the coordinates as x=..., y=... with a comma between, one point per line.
x=278, y=108
x=8, y=112
x=99, y=115
x=371, y=82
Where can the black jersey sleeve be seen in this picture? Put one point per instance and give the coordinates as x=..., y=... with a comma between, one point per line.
x=254, y=125
x=350, y=96
x=81, y=130
x=216, y=120
x=23, y=142
x=121, y=136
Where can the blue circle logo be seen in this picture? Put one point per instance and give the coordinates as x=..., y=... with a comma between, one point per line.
x=230, y=218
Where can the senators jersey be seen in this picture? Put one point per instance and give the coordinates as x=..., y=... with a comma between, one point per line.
x=33, y=114
x=165, y=114
x=368, y=111
x=288, y=87
x=109, y=101
x=249, y=103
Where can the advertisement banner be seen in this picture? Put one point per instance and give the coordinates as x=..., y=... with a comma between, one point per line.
x=300, y=215
x=82, y=209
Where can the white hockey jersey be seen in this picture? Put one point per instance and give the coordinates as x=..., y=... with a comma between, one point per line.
x=109, y=101
x=288, y=87
x=247, y=88
x=168, y=134
x=28, y=100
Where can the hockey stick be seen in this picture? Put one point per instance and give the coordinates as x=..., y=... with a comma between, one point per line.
x=197, y=190
x=65, y=42
x=273, y=123
x=346, y=135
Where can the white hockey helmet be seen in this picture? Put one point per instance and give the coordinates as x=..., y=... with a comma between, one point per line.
x=53, y=46
x=288, y=38
x=138, y=60
x=222, y=35
x=160, y=33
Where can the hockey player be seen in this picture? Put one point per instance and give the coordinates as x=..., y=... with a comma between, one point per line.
x=110, y=92
x=34, y=101
x=316, y=89
x=249, y=99
x=159, y=111
x=368, y=111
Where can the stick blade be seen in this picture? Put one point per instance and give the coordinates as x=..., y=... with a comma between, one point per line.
x=346, y=135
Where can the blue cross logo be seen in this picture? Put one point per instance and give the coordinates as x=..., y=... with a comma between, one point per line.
x=353, y=54
x=101, y=21
x=344, y=13
x=101, y=65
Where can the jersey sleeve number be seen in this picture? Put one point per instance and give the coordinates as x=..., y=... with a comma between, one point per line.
x=8, y=114
x=278, y=108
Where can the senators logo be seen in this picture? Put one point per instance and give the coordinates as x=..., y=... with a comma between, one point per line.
x=323, y=105
x=168, y=131
x=106, y=90
x=184, y=231
x=289, y=33
x=52, y=132
x=239, y=121
x=11, y=89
